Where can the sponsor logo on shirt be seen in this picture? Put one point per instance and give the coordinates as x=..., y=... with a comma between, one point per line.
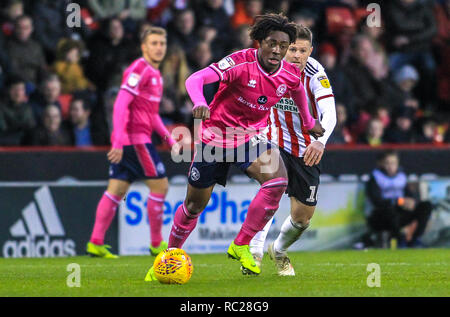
x=286, y=104
x=252, y=105
x=262, y=100
x=252, y=83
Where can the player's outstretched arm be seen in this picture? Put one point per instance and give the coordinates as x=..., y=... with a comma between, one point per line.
x=194, y=87
x=313, y=126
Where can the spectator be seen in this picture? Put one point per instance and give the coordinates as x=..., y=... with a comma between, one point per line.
x=200, y=58
x=394, y=204
x=406, y=79
x=412, y=26
x=366, y=87
x=242, y=38
x=13, y=9
x=16, y=116
x=401, y=130
x=327, y=56
x=307, y=18
x=442, y=50
x=341, y=133
x=427, y=131
x=68, y=68
x=109, y=98
x=50, y=24
x=50, y=133
x=26, y=55
x=109, y=53
x=48, y=94
x=374, y=133
x=246, y=11
x=80, y=127
x=5, y=67
x=212, y=14
x=182, y=30
x=175, y=71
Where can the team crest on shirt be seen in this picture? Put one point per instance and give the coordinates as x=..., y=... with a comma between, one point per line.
x=160, y=168
x=324, y=81
x=133, y=80
x=281, y=90
x=226, y=63
x=195, y=174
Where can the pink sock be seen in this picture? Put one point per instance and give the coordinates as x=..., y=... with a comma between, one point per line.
x=183, y=224
x=106, y=210
x=261, y=209
x=155, y=203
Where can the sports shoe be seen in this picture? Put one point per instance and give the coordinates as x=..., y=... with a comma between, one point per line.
x=282, y=262
x=242, y=253
x=150, y=277
x=100, y=251
x=156, y=250
x=258, y=261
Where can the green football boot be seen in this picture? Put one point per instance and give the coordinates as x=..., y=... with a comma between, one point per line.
x=150, y=277
x=157, y=250
x=100, y=251
x=243, y=255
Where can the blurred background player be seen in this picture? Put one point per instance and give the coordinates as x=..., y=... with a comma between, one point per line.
x=252, y=81
x=301, y=153
x=133, y=156
x=394, y=205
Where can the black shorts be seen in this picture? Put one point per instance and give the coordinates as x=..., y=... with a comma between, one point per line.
x=205, y=172
x=303, y=180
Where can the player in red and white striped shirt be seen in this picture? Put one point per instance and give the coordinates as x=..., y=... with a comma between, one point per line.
x=300, y=151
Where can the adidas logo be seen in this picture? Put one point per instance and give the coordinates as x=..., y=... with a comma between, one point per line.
x=39, y=233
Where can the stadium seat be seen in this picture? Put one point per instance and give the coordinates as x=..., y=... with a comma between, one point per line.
x=339, y=19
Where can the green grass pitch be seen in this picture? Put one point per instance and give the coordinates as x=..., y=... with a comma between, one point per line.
x=423, y=272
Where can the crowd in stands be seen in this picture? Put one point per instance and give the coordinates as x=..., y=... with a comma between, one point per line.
x=58, y=83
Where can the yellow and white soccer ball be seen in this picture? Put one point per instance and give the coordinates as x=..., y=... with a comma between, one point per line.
x=173, y=266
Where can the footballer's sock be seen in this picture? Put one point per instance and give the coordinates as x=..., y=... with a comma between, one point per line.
x=290, y=232
x=261, y=209
x=257, y=243
x=155, y=203
x=106, y=210
x=183, y=224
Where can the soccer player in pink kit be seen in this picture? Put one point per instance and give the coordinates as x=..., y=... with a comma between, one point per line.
x=132, y=155
x=251, y=82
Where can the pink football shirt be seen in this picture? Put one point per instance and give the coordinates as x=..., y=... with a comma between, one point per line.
x=245, y=97
x=146, y=84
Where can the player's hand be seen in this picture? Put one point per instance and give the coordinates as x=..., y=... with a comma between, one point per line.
x=313, y=153
x=176, y=149
x=409, y=203
x=115, y=155
x=201, y=112
x=317, y=131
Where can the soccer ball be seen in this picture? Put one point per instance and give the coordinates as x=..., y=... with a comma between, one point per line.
x=173, y=266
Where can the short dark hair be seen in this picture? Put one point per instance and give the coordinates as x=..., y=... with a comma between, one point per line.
x=86, y=106
x=383, y=155
x=264, y=24
x=304, y=33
